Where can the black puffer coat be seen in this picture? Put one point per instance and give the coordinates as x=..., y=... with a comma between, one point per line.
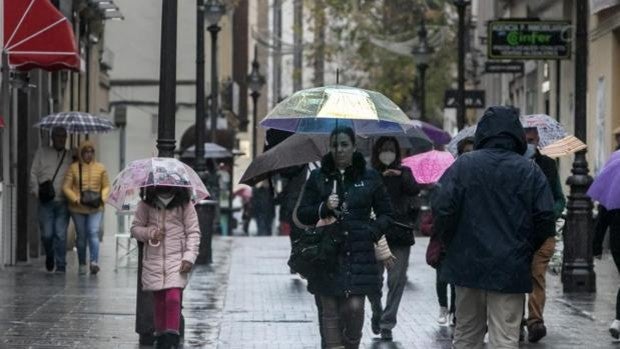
x=493, y=209
x=362, y=189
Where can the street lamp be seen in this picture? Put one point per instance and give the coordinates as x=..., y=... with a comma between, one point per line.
x=461, y=5
x=578, y=270
x=422, y=54
x=199, y=127
x=255, y=83
x=214, y=10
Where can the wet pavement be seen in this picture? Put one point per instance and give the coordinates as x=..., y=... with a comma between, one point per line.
x=248, y=299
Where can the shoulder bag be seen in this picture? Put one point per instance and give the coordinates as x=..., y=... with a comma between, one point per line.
x=46, y=189
x=88, y=198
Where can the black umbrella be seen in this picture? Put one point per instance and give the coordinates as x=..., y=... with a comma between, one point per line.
x=212, y=151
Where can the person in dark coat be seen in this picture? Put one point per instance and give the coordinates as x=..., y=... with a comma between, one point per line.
x=401, y=187
x=609, y=219
x=493, y=209
x=263, y=208
x=358, y=190
x=536, y=328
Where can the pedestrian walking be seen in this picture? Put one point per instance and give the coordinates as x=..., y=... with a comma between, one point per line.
x=490, y=204
x=46, y=177
x=536, y=328
x=263, y=207
x=401, y=188
x=167, y=223
x=358, y=190
x=86, y=187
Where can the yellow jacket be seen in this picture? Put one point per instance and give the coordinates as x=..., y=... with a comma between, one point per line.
x=94, y=177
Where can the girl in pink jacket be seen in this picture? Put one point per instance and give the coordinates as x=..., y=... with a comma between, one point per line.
x=167, y=223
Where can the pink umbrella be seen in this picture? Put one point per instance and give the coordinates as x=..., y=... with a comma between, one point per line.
x=429, y=167
x=153, y=172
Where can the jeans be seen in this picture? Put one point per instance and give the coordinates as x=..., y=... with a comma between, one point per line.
x=167, y=310
x=53, y=222
x=476, y=308
x=343, y=320
x=87, y=227
x=396, y=280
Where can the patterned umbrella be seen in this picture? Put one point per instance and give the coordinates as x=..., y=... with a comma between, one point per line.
x=429, y=167
x=467, y=132
x=153, y=172
x=76, y=122
x=319, y=110
x=554, y=140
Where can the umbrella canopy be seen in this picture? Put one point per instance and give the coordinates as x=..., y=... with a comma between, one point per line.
x=606, y=187
x=437, y=135
x=153, y=172
x=212, y=151
x=37, y=35
x=565, y=146
x=469, y=131
x=76, y=122
x=299, y=149
x=429, y=167
x=414, y=138
x=320, y=110
x=554, y=140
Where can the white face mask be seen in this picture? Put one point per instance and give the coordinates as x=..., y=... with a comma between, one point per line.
x=387, y=157
x=165, y=200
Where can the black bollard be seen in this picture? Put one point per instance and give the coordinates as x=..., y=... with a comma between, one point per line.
x=206, y=210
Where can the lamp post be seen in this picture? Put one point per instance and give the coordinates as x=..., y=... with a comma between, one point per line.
x=214, y=10
x=422, y=54
x=255, y=83
x=460, y=112
x=199, y=127
x=165, y=146
x=578, y=270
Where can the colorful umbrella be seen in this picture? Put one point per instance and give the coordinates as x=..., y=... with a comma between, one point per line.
x=606, y=187
x=429, y=167
x=554, y=140
x=469, y=131
x=437, y=135
x=320, y=110
x=76, y=122
x=153, y=172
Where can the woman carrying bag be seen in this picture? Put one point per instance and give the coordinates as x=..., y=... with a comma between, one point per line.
x=87, y=187
x=358, y=190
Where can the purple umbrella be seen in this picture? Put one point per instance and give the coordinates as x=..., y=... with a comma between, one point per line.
x=437, y=135
x=606, y=187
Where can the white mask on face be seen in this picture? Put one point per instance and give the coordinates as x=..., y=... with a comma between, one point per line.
x=387, y=157
x=165, y=200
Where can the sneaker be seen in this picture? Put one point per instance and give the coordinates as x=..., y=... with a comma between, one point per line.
x=374, y=323
x=614, y=329
x=82, y=269
x=443, y=316
x=49, y=263
x=94, y=268
x=536, y=332
x=386, y=335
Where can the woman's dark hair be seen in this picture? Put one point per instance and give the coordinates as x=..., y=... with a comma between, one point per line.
x=149, y=195
x=345, y=130
x=460, y=146
x=376, y=150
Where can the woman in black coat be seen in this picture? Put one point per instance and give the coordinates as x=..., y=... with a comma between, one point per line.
x=402, y=188
x=358, y=190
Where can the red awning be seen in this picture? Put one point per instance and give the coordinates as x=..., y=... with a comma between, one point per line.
x=37, y=35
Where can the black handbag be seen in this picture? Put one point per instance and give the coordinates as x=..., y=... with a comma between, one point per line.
x=316, y=250
x=46, y=189
x=89, y=198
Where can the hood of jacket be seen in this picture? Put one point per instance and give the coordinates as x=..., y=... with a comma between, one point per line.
x=352, y=173
x=85, y=144
x=501, y=128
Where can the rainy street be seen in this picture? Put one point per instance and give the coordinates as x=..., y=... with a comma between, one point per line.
x=248, y=299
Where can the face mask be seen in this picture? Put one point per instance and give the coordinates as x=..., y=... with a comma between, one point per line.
x=387, y=157
x=530, y=152
x=165, y=200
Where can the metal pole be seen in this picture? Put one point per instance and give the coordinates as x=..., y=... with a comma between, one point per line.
x=422, y=68
x=214, y=29
x=165, y=145
x=200, y=164
x=460, y=113
x=255, y=95
x=578, y=270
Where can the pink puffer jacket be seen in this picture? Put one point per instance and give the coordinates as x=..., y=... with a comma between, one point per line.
x=161, y=264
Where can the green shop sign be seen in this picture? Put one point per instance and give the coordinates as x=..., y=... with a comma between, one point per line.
x=513, y=39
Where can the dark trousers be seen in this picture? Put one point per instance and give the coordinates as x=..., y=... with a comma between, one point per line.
x=614, y=245
x=442, y=292
x=342, y=321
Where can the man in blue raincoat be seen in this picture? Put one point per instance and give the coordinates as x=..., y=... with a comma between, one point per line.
x=493, y=209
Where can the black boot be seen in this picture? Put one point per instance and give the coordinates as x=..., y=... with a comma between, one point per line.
x=173, y=340
x=162, y=341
